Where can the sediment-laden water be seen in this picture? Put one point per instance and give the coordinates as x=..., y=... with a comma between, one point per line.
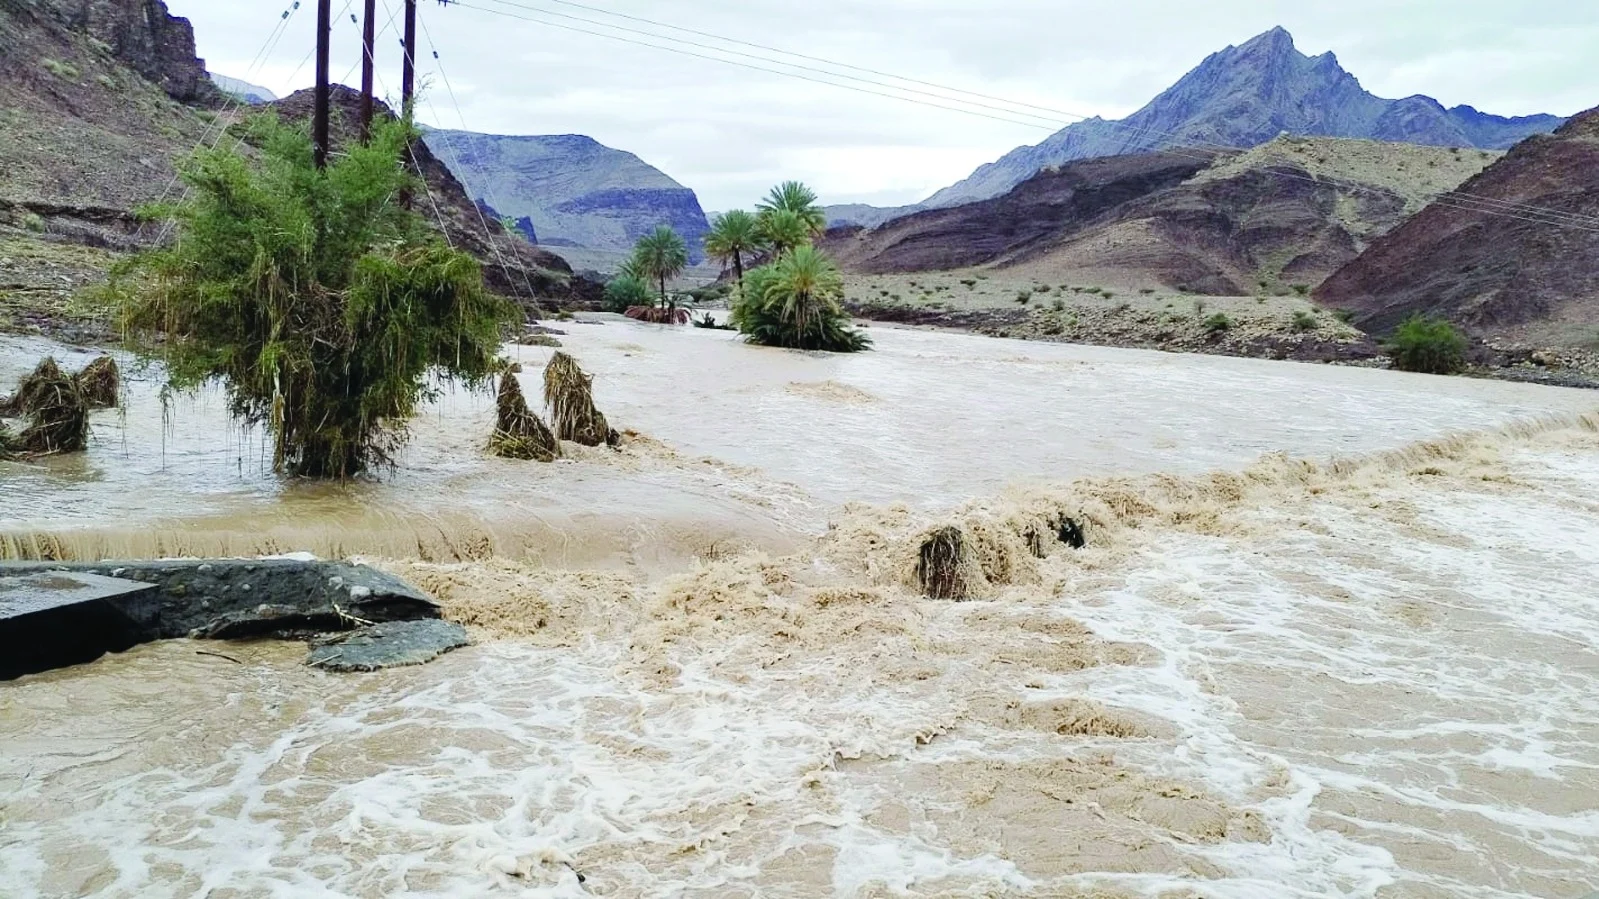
x=702, y=670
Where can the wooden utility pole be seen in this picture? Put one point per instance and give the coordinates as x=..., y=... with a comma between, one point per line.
x=369, y=39
x=319, y=126
x=408, y=76
x=408, y=81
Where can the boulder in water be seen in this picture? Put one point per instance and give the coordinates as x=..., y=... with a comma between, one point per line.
x=390, y=645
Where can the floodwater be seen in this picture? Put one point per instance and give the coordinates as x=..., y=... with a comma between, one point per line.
x=1334, y=634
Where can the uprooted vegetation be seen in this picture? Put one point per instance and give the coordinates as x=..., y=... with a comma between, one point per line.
x=518, y=432
x=569, y=393
x=55, y=407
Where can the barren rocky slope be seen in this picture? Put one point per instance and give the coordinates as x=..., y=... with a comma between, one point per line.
x=1281, y=216
x=1510, y=275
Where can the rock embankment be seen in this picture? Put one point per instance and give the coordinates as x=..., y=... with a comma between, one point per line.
x=362, y=608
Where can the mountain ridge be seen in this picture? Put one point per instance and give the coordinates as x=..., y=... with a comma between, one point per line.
x=570, y=189
x=1240, y=97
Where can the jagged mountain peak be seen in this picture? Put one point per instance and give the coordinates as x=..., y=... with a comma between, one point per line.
x=1243, y=96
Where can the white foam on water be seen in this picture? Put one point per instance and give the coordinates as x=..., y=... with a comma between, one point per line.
x=1479, y=604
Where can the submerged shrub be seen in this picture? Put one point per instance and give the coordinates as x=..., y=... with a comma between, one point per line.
x=942, y=567
x=1428, y=345
x=323, y=307
x=518, y=432
x=569, y=393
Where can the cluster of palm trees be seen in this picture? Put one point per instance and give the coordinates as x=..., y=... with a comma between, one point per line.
x=657, y=258
x=792, y=300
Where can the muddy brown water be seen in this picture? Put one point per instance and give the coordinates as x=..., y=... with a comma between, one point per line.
x=699, y=669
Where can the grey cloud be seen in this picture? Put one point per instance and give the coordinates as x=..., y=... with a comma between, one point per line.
x=729, y=132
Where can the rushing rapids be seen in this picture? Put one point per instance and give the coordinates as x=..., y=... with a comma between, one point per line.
x=1332, y=633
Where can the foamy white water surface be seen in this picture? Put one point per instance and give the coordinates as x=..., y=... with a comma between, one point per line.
x=1372, y=680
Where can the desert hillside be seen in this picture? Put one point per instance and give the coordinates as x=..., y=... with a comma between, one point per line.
x=1277, y=218
x=1527, y=276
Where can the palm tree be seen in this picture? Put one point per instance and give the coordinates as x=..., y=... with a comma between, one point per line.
x=783, y=230
x=806, y=284
x=795, y=197
x=660, y=256
x=732, y=235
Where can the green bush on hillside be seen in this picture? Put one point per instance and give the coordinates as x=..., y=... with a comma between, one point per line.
x=1218, y=323
x=1305, y=320
x=1428, y=345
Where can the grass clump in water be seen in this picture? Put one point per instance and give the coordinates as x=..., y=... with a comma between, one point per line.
x=101, y=383
x=1428, y=345
x=570, y=395
x=518, y=432
x=56, y=412
x=941, y=565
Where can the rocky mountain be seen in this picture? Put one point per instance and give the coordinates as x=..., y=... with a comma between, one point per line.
x=1242, y=97
x=1527, y=276
x=571, y=190
x=1222, y=222
x=253, y=94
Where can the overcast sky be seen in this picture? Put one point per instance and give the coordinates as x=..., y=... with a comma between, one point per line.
x=730, y=132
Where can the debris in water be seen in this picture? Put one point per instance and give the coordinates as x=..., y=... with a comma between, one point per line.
x=518, y=432
x=940, y=570
x=57, y=413
x=1062, y=529
x=570, y=395
x=101, y=383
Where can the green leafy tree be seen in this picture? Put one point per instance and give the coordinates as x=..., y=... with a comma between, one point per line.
x=794, y=303
x=626, y=291
x=326, y=310
x=795, y=197
x=733, y=236
x=784, y=230
x=660, y=256
x=1425, y=344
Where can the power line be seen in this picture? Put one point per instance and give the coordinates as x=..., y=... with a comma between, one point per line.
x=1142, y=131
x=1449, y=199
x=450, y=146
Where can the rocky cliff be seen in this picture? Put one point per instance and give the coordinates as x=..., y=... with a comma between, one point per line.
x=1241, y=97
x=140, y=34
x=571, y=189
x=1526, y=276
